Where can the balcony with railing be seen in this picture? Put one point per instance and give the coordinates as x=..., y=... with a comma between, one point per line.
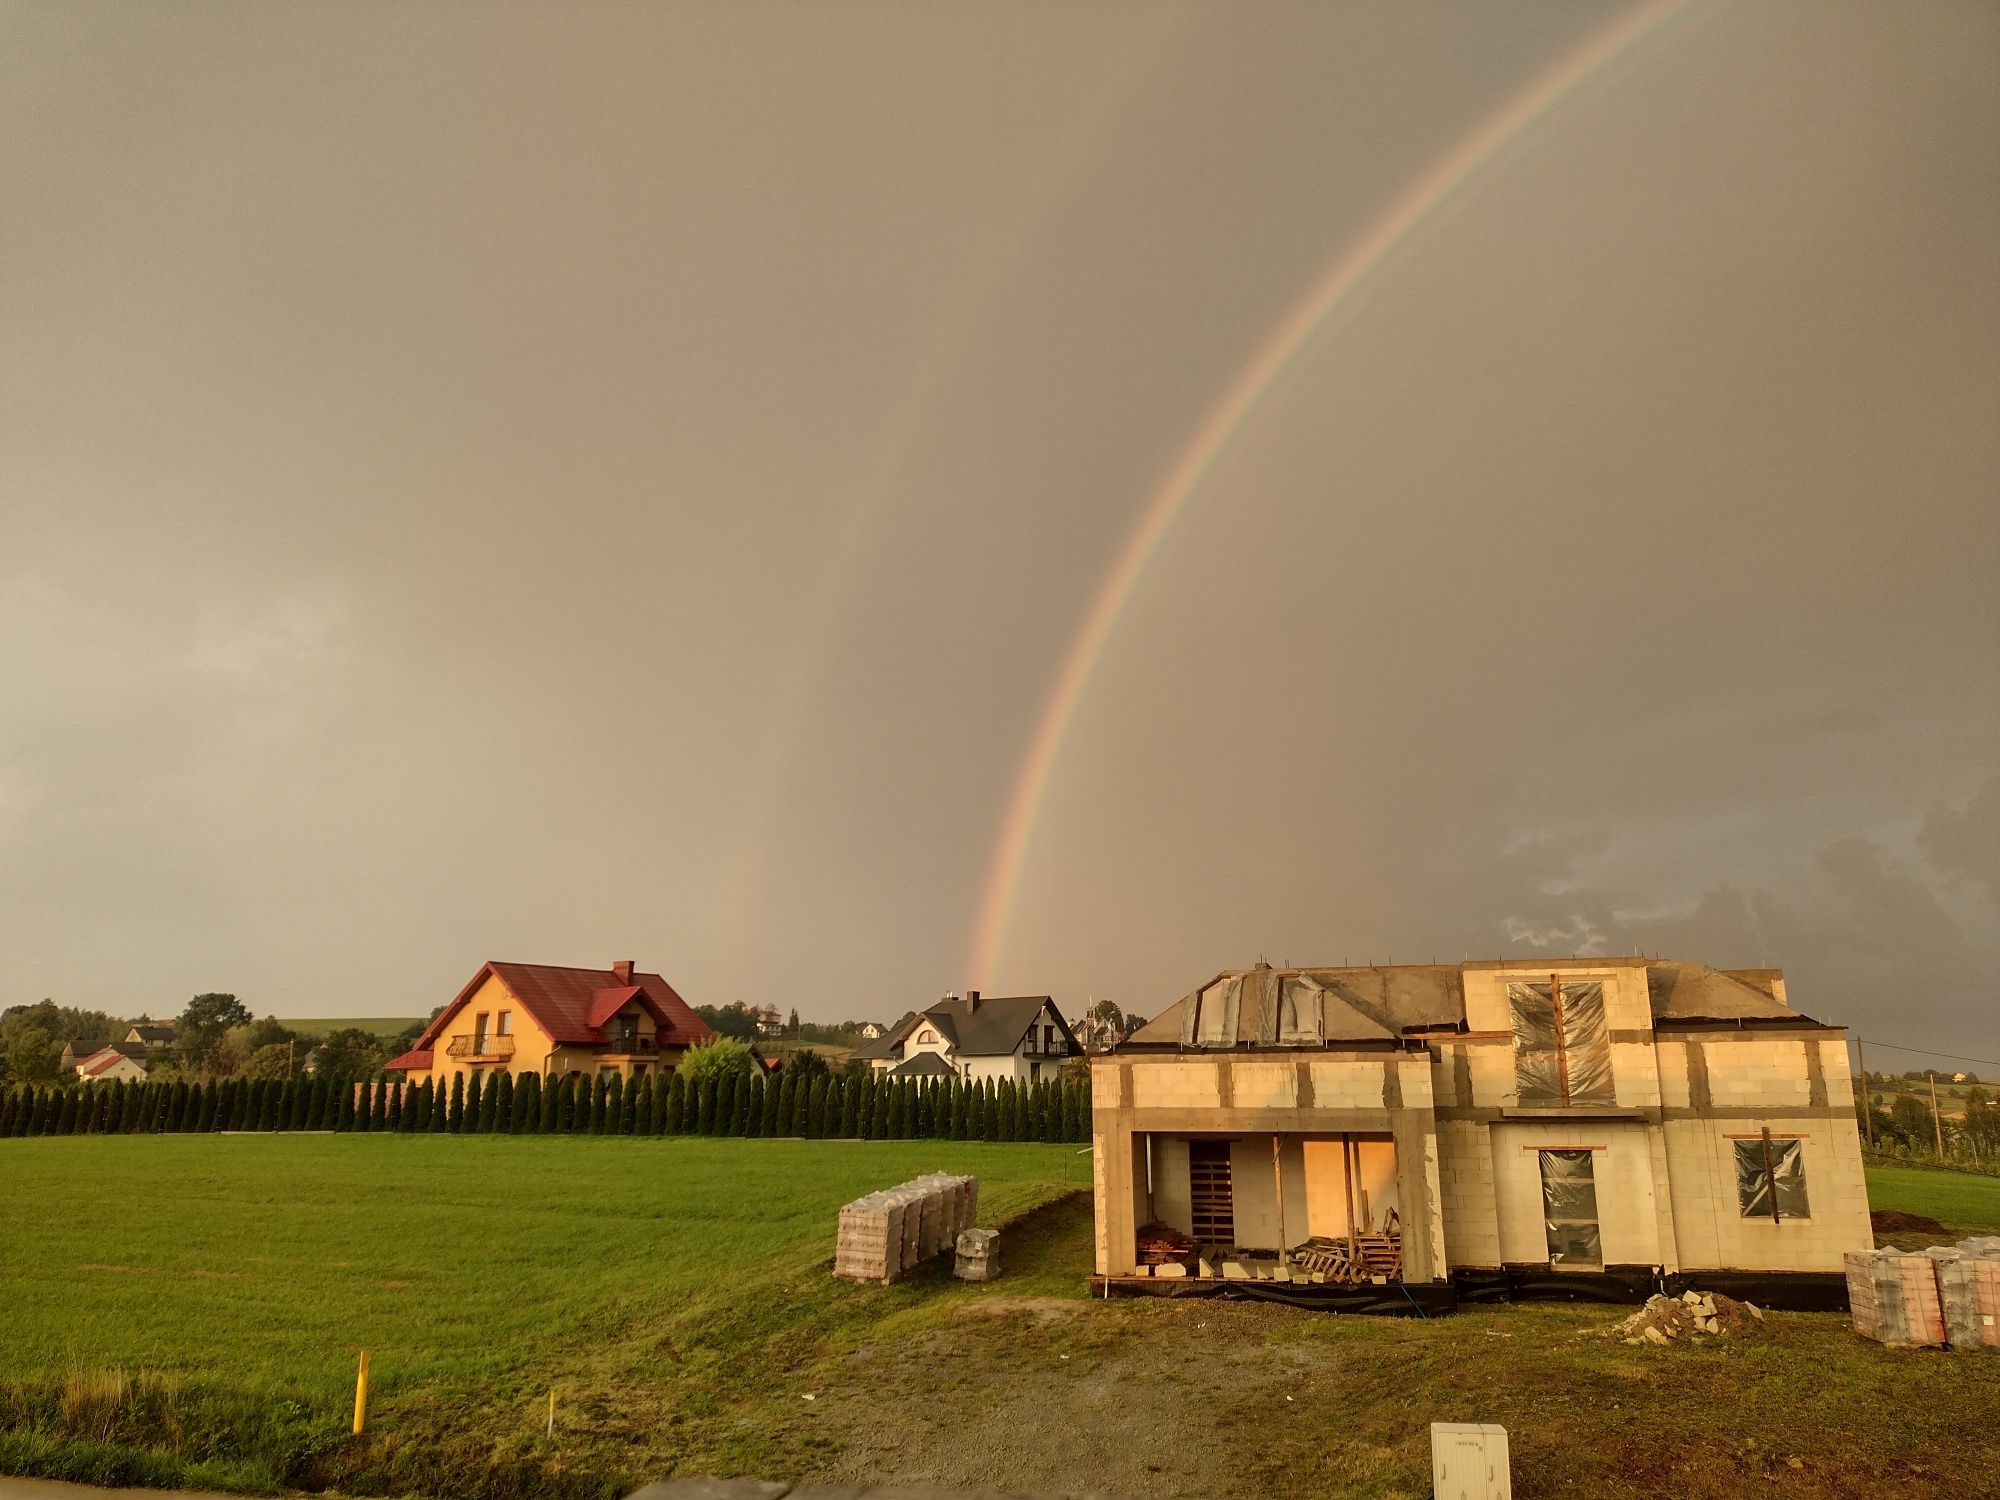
x=473, y=1047
x=631, y=1044
x=1051, y=1047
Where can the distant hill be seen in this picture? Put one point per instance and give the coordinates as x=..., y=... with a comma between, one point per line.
x=381, y=1026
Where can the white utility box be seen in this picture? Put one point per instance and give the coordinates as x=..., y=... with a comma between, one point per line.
x=1469, y=1462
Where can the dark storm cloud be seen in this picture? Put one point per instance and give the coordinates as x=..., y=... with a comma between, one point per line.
x=616, y=481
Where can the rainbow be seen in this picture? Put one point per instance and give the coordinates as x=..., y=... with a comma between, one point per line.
x=1446, y=179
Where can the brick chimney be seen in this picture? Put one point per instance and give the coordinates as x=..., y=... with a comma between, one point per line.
x=621, y=972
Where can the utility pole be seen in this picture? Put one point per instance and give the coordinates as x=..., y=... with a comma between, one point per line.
x=1867, y=1104
x=1937, y=1120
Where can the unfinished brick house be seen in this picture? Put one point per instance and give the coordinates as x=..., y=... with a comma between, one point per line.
x=1413, y=1136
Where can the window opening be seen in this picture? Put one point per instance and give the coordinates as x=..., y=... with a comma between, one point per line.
x=1569, y=1208
x=1771, y=1178
x=1562, y=1051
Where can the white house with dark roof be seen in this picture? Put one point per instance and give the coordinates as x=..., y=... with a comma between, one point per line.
x=1022, y=1037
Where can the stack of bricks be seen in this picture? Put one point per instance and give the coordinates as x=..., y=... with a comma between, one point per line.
x=889, y=1232
x=1968, y=1278
x=1894, y=1297
x=978, y=1255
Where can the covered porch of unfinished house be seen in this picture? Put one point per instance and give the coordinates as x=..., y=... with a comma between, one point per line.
x=1304, y=1216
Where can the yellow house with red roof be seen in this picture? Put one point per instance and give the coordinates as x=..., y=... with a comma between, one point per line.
x=542, y=1018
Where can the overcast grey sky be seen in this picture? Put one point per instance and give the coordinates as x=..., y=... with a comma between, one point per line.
x=566, y=483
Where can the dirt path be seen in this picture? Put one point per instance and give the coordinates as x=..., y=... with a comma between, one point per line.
x=56, y=1489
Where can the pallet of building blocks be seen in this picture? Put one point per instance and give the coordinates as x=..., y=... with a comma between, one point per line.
x=886, y=1233
x=1968, y=1295
x=1894, y=1297
x=978, y=1256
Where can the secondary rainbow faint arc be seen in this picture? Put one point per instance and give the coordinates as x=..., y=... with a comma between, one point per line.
x=1423, y=198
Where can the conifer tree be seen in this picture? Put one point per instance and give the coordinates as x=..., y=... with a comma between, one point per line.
x=66, y=1115
x=816, y=1108
x=592, y=1107
x=725, y=1103
x=527, y=1113
x=398, y=1120
x=566, y=1105
x=8, y=1105
x=490, y=1099
x=782, y=1089
x=893, y=1126
x=764, y=1107
x=455, y=1114
x=628, y=1106
x=475, y=1086
x=677, y=1105
x=614, y=1102
x=704, y=1112
x=662, y=1094
x=503, y=1103
x=33, y=1106
x=645, y=1092
x=551, y=1102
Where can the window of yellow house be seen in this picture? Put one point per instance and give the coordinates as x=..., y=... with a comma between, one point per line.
x=505, y=1025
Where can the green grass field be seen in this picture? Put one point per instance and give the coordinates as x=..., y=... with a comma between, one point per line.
x=650, y=1283
x=188, y=1310
x=1958, y=1200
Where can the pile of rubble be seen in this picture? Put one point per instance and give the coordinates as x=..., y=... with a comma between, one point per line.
x=1926, y=1299
x=887, y=1233
x=1691, y=1315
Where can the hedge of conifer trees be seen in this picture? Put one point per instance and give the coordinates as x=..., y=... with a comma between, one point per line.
x=814, y=1106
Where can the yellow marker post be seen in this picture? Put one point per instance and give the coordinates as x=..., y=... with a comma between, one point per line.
x=361, y=1394
x=552, y=1412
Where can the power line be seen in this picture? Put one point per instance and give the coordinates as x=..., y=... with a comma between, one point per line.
x=1953, y=1056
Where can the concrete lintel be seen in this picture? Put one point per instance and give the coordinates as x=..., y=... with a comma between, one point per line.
x=1208, y=1120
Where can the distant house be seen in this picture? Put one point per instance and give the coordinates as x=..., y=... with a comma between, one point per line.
x=154, y=1036
x=1022, y=1037
x=770, y=1020
x=110, y=1063
x=872, y=1030
x=540, y=1018
x=75, y=1054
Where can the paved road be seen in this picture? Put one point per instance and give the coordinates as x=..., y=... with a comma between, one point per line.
x=56, y=1489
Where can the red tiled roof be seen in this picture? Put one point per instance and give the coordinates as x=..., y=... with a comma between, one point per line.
x=563, y=1002
x=101, y=1062
x=607, y=1003
x=415, y=1059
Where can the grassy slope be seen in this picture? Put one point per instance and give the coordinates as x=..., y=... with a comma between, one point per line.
x=653, y=1283
x=1960, y=1200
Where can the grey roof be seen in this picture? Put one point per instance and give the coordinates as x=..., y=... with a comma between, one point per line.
x=924, y=1065
x=885, y=1045
x=1381, y=1002
x=150, y=1032
x=993, y=1029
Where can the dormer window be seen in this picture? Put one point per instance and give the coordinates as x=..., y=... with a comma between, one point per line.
x=926, y=1037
